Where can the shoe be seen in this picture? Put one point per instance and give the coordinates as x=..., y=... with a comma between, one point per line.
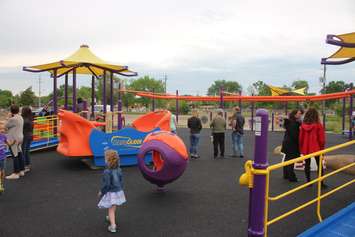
x=222, y=156
x=22, y=173
x=112, y=229
x=27, y=169
x=13, y=176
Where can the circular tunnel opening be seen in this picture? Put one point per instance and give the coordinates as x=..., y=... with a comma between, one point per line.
x=157, y=161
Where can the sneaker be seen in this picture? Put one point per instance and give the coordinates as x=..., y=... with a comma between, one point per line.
x=22, y=173
x=27, y=169
x=13, y=176
x=112, y=229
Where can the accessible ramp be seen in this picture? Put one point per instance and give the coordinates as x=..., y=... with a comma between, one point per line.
x=341, y=224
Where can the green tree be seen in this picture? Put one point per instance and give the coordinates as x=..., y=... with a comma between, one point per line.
x=27, y=97
x=228, y=86
x=261, y=89
x=5, y=98
x=298, y=84
x=148, y=84
x=335, y=86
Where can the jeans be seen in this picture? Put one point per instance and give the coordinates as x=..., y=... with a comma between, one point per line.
x=237, y=143
x=19, y=165
x=218, y=141
x=194, y=140
x=26, y=146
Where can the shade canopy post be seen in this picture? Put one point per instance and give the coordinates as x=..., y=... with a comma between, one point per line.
x=66, y=91
x=351, y=114
x=111, y=92
x=343, y=114
x=153, y=101
x=92, y=96
x=119, y=107
x=55, y=92
x=74, y=90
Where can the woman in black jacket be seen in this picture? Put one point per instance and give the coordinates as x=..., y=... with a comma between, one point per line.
x=290, y=143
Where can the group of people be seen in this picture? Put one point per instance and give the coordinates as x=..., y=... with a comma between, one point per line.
x=303, y=135
x=218, y=126
x=16, y=135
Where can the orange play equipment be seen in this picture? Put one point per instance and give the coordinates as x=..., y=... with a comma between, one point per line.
x=74, y=133
x=157, y=119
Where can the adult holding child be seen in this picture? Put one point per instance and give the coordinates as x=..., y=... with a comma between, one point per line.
x=14, y=127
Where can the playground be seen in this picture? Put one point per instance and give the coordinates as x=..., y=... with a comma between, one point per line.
x=205, y=201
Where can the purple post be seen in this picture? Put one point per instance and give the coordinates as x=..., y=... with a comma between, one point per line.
x=211, y=116
x=111, y=92
x=252, y=116
x=343, y=113
x=55, y=104
x=350, y=115
x=92, y=96
x=119, y=108
x=74, y=90
x=272, y=121
x=257, y=193
x=221, y=97
x=153, y=101
x=66, y=91
x=104, y=92
x=177, y=106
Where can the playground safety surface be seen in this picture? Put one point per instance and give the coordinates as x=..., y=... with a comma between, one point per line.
x=59, y=198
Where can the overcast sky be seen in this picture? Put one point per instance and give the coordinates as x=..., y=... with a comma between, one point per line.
x=194, y=42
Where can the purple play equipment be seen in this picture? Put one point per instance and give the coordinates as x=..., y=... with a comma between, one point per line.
x=170, y=158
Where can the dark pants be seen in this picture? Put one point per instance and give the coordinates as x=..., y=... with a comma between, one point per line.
x=19, y=165
x=289, y=172
x=26, y=146
x=307, y=168
x=218, y=141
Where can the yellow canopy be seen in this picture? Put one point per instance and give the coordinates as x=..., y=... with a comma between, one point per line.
x=85, y=62
x=277, y=91
x=345, y=52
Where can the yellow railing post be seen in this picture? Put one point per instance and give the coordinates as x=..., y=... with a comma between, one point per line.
x=319, y=187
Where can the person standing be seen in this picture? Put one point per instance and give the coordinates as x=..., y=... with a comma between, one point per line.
x=14, y=128
x=290, y=144
x=195, y=126
x=26, y=114
x=173, y=123
x=311, y=139
x=218, y=126
x=238, y=132
x=3, y=148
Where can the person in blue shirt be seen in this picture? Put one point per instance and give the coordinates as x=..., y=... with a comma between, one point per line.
x=111, y=192
x=3, y=148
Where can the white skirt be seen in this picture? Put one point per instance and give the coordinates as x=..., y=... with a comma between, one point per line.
x=112, y=198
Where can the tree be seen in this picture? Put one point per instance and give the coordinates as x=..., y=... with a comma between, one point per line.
x=228, y=86
x=300, y=84
x=5, y=98
x=148, y=84
x=261, y=89
x=27, y=97
x=335, y=86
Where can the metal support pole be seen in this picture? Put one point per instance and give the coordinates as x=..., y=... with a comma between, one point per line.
x=55, y=92
x=343, y=114
x=92, y=96
x=221, y=97
x=177, y=106
x=119, y=108
x=272, y=121
x=104, y=92
x=324, y=80
x=257, y=193
x=74, y=90
x=111, y=92
x=66, y=91
x=252, y=116
x=153, y=101
x=351, y=114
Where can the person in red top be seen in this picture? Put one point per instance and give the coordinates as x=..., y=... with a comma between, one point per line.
x=311, y=139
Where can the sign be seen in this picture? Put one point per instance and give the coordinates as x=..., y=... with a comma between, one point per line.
x=257, y=126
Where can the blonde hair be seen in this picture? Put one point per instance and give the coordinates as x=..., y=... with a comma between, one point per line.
x=112, y=159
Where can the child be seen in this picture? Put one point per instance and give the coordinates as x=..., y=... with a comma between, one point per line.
x=2, y=155
x=111, y=192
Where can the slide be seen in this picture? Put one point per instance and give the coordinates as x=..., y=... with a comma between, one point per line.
x=152, y=120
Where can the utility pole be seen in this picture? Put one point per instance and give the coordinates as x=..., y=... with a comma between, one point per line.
x=39, y=91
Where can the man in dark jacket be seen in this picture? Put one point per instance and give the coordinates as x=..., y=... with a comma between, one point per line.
x=194, y=123
x=290, y=143
x=237, y=134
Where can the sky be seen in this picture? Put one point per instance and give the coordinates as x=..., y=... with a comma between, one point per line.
x=193, y=42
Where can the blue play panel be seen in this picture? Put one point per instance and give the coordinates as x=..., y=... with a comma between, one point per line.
x=341, y=224
x=41, y=144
